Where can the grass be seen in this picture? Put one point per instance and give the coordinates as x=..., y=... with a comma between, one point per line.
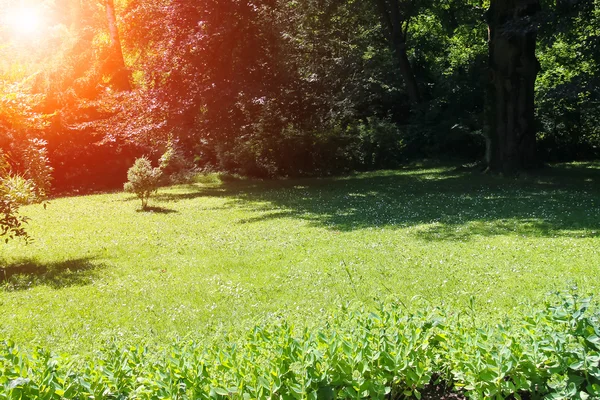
x=214, y=257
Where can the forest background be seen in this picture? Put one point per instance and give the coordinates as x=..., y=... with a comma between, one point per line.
x=272, y=88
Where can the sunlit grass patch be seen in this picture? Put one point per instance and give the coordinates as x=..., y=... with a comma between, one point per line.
x=216, y=255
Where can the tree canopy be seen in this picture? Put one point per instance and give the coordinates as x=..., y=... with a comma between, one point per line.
x=289, y=88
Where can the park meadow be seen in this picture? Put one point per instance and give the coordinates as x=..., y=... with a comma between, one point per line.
x=219, y=257
x=299, y=199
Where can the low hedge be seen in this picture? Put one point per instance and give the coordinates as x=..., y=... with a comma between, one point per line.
x=385, y=353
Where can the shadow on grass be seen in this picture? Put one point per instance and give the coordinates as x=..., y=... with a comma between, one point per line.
x=157, y=210
x=24, y=274
x=439, y=204
x=190, y=192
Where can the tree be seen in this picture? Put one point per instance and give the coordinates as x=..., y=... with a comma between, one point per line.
x=280, y=87
x=513, y=68
x=115, y=63
x=395, y=18
x=143, y=180
x=568, y=86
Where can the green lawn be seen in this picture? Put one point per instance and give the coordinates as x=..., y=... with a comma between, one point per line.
x=215, y=257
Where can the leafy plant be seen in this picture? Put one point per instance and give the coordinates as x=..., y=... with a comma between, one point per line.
x=37, y=167
x=14, y=191
x=143, y=180
x=174, y=165
x=359, y=353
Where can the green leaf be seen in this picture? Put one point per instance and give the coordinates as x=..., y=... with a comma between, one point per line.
x=577, y=365
x=595, y=340
x=221, y=391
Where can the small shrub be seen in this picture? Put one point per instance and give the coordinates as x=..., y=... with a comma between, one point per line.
x=11, y=223
x=174, y=165
x=14, y=191
x=143, y=180
x=21, y=191
x=37, y=168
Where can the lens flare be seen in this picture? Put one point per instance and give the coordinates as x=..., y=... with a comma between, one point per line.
x=23, y=21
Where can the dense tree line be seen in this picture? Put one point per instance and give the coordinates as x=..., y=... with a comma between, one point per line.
x=287, y=88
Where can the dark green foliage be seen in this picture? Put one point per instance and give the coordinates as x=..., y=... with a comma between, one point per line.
x=552, y=353
x=567, y=89
x=362, y=145
x=284, y=88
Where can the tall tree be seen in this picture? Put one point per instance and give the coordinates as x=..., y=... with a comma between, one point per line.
x=75, y=14
x=513, y=68
x=395, y=18
x=115, y=64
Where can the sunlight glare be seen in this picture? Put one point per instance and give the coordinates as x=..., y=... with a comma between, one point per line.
x=23, y=21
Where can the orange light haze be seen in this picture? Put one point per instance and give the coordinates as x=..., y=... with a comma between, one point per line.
x=23, y=21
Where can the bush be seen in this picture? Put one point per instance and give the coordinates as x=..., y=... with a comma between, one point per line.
x=143, y=180
x=290, y=150
x=384, y=353
x=20, y=190
x=14, y=191
x=174, y=165
x=11, y=223
x=37, y=168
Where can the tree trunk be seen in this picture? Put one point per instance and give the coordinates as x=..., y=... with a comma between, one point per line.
x=391, y=22
x=513, y=68
x=407, y=73
x=115, y=63
x=75, y=15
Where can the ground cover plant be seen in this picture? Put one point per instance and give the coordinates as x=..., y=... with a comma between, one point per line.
x=215, y=257
x=551, y=353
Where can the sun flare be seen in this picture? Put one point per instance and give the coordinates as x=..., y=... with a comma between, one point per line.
x=23, y=21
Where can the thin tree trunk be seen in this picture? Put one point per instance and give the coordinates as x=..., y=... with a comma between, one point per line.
x=510, y=107
x=407, y=73
x=391, y=23
x=75, y=15
x=116, y=63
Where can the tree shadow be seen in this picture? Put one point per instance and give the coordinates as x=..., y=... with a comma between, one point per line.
x=27, y=273
x=157, y=210
x=194, y=191
x=438, y=204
